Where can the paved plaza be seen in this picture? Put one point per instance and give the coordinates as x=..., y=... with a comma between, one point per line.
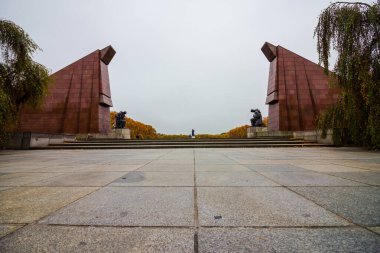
x=190, y=200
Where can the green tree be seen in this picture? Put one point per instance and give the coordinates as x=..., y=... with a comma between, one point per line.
x=22, y=80
x=352, y=30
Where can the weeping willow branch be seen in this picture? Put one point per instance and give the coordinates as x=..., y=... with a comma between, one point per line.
x=22, y=80
x=352, y=31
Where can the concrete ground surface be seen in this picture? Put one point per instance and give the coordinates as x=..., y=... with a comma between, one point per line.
x=190, y=200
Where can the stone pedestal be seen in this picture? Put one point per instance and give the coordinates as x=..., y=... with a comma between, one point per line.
x=256, y=131
x=315, y=136
x=122, y=133
x=114, y=134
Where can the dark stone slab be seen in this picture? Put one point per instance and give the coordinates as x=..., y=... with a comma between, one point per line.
x=308, y=178
x=28, y=204
x=42, y=238
x=359, y=204
x=132, y=206
x=7, y=229
x=287, y=240
x=168, y=167
x=81, y=179
x=240, y=178
x=372, y=178
x=149, y=178
x=273, y=167
x=260, y=206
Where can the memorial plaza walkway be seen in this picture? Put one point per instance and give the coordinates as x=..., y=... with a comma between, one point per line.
x=190, y=200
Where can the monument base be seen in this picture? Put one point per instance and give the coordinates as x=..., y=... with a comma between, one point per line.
x=254, y=131
x=122, y=133
x=314, y=136
x=27, y=140
x=118, y=133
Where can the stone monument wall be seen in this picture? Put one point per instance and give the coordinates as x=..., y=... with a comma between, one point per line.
x=77, y=102
x=297, y=90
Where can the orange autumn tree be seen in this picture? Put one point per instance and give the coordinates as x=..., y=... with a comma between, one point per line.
x=238, y=132
x=241, y=131
x=113, y=119
x=138, y=129
x=145, y=131
x=265, y=121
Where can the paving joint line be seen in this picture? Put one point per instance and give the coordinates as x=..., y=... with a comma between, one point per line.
x=325, y=208
x=336, y=213
x=353, y=180
x=196, y=215
x=327, y=173
x=99, y=188
x=184, y=227
x=313, y=171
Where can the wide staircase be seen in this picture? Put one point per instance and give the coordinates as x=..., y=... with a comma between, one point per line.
x=185, y=143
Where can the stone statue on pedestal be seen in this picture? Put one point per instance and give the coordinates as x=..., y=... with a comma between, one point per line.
x=120, y=120
x=257, y=119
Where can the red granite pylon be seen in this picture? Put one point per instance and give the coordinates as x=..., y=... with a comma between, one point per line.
x=297, y=92
x=77, y=102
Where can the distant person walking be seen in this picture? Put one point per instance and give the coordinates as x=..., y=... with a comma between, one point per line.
x=192, y=133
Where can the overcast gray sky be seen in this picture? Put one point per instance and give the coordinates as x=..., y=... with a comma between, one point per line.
x=179, y=64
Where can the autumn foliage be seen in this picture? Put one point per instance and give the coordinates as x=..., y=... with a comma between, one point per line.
x=265, y=121
x=140, y=130
x=238, y=132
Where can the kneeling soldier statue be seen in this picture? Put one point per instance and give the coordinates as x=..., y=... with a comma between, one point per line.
x=257, y=120
x=120, y=120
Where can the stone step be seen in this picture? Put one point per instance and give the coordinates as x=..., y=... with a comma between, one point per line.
x=188, y=145
x=266, y=138
x=182, y=146
x=178, y=143
x=183, y=143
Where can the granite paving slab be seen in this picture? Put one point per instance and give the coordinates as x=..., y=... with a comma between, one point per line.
x=6, y=229
x=81, y=179
x=235, y=208
x=146, y=156
x=42, y=238
x=362, y=164
x=148, y=178
x=19, y=179
x=263, y=161
x=173, y=161
x=308, y=178
x=240, y=178
x=372, y=177
x=126, y=161
x=375, y=229
x=350, y=239
x=331, y=168
x=221, y=168
x=122, y=167
x=27, y=204
x=215, y=162
x=273, y=167
x=168, y=167
x=310, y=161
x=176, y=156
x=130, y=206
x=260, y=206
x=55, y=168
x=12, y=168
x=358, y=204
